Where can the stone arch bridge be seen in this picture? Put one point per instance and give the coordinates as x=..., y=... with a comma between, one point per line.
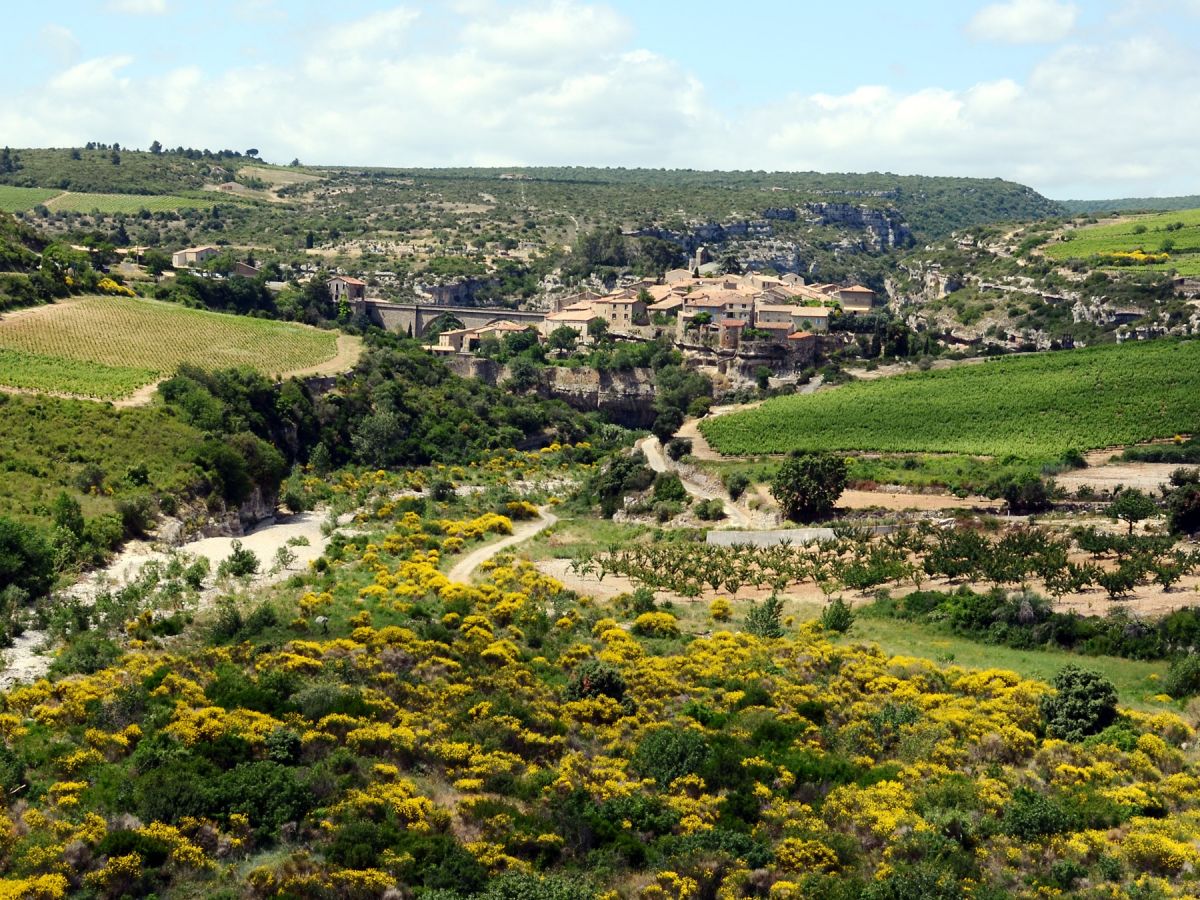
x=401, y=317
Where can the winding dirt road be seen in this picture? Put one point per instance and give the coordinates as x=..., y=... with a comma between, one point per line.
x=465, y=567
x=659, y=463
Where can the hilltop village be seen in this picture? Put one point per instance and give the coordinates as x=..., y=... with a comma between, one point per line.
x=749, y=316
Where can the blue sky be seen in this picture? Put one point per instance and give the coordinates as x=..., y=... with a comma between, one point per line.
x=1080, y=99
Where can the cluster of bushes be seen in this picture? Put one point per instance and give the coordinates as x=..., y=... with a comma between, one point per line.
x=1024, y=620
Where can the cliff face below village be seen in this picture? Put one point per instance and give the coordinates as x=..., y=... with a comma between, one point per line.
x=627, y=397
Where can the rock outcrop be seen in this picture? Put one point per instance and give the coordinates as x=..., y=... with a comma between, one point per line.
x=885, y=228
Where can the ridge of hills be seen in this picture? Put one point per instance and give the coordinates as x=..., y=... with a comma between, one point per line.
x=1132, y=204
x=931, y=205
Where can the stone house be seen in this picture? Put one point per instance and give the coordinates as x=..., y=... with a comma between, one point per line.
x=343, y=286
x=192, y=256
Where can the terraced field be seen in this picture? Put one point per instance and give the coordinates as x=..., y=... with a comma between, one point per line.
x=1175, y=233
x=1033, y=408
x=105, y=348
x=20, y=199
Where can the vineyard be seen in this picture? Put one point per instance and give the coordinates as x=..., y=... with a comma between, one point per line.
x=1035, y=407
x=32, y=371
x=19, y=199
x=123, y=203
x=1175, y=233
x=104, y=347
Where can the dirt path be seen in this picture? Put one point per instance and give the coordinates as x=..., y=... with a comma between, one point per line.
x=465, y=567
x=349, y=351
x=659, y=463
x=896, y=500
x=690, y=429
x=25, y=661
x=1101, y=475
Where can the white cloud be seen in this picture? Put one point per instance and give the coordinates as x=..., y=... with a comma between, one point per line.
x=138, y=7
x=1024, y=21
x=572, y=88
x=61, y=42
x=384, y=30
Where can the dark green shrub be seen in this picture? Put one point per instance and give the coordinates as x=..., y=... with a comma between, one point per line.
x=137, y=514
x=670, y=753
x=441, y=490
x=765, y=618
x=1183, y=678
x=1084, y=703
x=593, y=678
x=678, y=448
x=736, y=483
x=86, y=654
x=837, y=616
x=240, y=562
x=668, y=488
x=152, y=850
x=26, y=559
x=1030, y=815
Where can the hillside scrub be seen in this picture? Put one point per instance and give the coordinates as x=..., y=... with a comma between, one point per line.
x=562, y=756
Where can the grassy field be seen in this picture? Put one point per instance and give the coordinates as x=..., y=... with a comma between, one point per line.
x=105, y=347
x=1136, y=681
x=1034, y=407
x=1148, y=233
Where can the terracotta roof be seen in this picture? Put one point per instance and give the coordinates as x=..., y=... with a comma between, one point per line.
x=667, y=303
x=856, y=289
x=348, y=280
x=504, y=325
x=733, y=323
x=624, y=301
x=776, y=308
x=800, y=335
x=811, y=312
x=773, y=326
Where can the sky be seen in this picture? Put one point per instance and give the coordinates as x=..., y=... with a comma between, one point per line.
x=1082, y=99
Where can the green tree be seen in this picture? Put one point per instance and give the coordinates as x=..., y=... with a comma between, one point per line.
x=597, y=329
x=26, y=560
x=67, y=514
x=522, y=375
x=1083, y=703
x=667, y=423
x=156, y=262
x=1132, y=506
x=1183, y=502
x=562, y=338
x=808, y=485
x=156, y=148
